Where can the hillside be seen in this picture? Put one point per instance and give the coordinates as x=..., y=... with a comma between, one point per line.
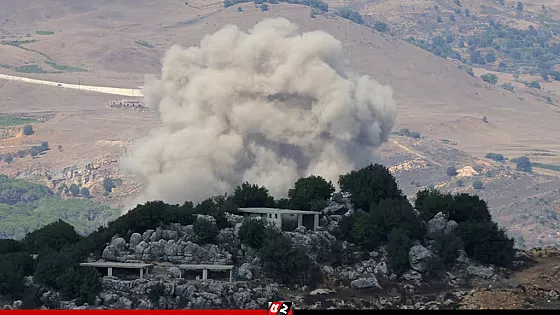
x=25, y=207
x=112, y=47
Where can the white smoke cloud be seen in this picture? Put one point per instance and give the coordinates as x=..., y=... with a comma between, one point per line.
x=267, y=106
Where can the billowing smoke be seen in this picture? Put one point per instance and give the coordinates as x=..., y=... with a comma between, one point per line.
x=267, y=106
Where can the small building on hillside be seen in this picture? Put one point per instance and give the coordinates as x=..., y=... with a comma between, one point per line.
x=127, y=104
x=284, y=219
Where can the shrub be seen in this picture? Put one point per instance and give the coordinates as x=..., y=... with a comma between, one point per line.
x=460, y=207
x=85, y=192
x=369, y=185
x=205, y=231
x=451, y=171
x=508, y=86
x=367, y=232
x=397, y=250
x=13, y=267
x=337, y=255
x=250, y=196
x=108, y=185
x=284, y=261
x=310, y=193
x=8, y=158
x=523, y=164
x=74, y=190
x=28, y=130
x=489, y=78
x=397, y=213
x=485, y=242
x=51, y=237
x=534, y=85
x=496, y=157
x=477, y=184
x=447, y=247
x=429, y=202
x=8, y=246
x=252, y=233
x=381, y=27
x=345, y=230
x=156, y=292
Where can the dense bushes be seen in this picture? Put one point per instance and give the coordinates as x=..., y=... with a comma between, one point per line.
x=460, y=207
x=205, y=231
x=485, y=242
x=310, y=193
x=13, y=267
x=369, y=185
x=249, y=196
x=398, y=246
x=283, y=260
x=52, y=237
x=252, y=233
x=447, y=247
x=387, y=219
x=61, y=271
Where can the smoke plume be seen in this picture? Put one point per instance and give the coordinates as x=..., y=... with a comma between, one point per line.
x=266, y=106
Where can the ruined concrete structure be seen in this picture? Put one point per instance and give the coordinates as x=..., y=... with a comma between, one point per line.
x=127, y=104
x=284, y=219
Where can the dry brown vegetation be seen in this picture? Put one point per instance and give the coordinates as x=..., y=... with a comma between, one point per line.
x=434, y=97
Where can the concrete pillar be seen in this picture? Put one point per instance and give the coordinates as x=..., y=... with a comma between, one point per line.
x=230, y=275
x=110, y=271
x=315, y=221
x=142, y=273
x=299, y=220
x=204, y=274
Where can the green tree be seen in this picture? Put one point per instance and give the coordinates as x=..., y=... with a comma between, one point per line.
x=252, y=196
x=85, y=192
x=205, y=231
x=51, y=237
x=283, y=260
x=447, y=247
x=519, y=6
x=451, y=171
x=523, y=164
x=429, y=202
x=108, y=185
x=398, y=246
x=9, y=158
x=397, y=213
x=477, y=184
x=369, y=185
x=496, y=157
x=311, y=193
x=489, y=78
x=74, y=190
x=13, y=267
x=381, y=27
x=485, y=242
x=28, y=130
x=253, y=233
x=8, y=246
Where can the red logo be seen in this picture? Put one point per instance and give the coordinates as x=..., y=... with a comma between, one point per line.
x=280, y=308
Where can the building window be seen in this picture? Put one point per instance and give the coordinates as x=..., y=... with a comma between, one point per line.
x=276, y=216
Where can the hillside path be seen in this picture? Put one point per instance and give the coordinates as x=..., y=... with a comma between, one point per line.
x=98, y=89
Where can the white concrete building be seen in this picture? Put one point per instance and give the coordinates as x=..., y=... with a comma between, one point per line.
x=280, y=217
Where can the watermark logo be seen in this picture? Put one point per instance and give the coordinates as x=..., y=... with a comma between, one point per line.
x=280, y=308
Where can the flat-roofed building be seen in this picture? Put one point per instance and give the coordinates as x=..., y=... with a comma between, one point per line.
x=281, y=218
x=205, y=269
x=143, y=268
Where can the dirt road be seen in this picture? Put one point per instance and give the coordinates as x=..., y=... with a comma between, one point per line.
x=98, y=89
